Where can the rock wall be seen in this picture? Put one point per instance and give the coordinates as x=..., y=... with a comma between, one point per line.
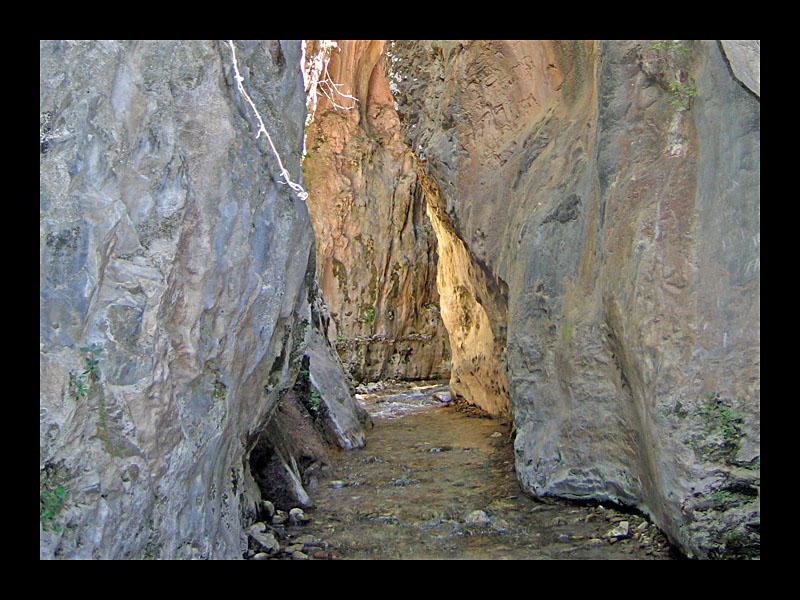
x=376, y=250
x=610, y=191
x=170, y=239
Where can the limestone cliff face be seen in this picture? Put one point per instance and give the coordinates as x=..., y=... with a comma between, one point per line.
x=376, y=250
x=602, y=205
x=169, y=238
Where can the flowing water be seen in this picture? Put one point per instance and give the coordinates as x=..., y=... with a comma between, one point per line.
x=436, y=482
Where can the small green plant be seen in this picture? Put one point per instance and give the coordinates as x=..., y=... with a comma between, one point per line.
x=721, y=495
x=679, y=47
x=88, y=382
x=50, y=504
x=673, y=51
x=681, y=94
x=369, y=314
x=81, y=384
x=719, y=417
x=314, y=402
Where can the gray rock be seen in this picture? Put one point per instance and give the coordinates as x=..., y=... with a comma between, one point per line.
x=267, y=509
x=619, y=281
x=477, y=517
x=298, y=517
x=307, y=540
x=259, y=527
x=264, y=542
x=622, y=530
x=499, y=524
x=744, y=56
x=592, y=517
x=169, y=238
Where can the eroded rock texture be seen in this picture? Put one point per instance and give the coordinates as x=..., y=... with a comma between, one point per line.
x=376, y=250
x=168, y=238
x=605, y=201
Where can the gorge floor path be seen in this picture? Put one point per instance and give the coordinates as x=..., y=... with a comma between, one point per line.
x=436, y=482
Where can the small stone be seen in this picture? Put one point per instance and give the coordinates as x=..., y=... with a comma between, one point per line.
x=500, y=525
x=264, y=542
x=267, y=509
x=477, y=517
x=298, y=517
x=595, y=543
x=336, y=484
x=260, y=556
x=279, y=518
x=558, y=521
x=621, y=531
x=307, y=540
x=643, y=526
x=259, y=527
x=563, y=537
x=297, y=555
x=496, y=434
x=592, y=517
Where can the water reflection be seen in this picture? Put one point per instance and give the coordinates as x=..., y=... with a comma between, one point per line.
x=389, y=400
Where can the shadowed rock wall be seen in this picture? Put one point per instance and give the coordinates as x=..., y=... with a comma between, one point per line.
x=612, y=192
x=168, y=239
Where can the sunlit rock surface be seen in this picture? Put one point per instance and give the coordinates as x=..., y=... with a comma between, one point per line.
x=611, y=192
x=376, y=250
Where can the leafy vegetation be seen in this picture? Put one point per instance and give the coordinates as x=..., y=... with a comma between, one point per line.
x=88, y=383
x=50, y=504
x=681, y=94
x=81, y=384
x=369, y=314
x=674, y=51
x=676, y=45
x=720, y=417
x=314, y=401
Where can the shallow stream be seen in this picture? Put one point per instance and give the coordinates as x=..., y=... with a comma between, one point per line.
x=436, y=482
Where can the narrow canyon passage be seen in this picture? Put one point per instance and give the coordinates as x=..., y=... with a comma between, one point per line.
x=266, y=265
x=437, y=482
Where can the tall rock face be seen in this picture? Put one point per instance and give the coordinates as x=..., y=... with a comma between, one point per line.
x=174, y=254
x=604, y=199
x=376, y=250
